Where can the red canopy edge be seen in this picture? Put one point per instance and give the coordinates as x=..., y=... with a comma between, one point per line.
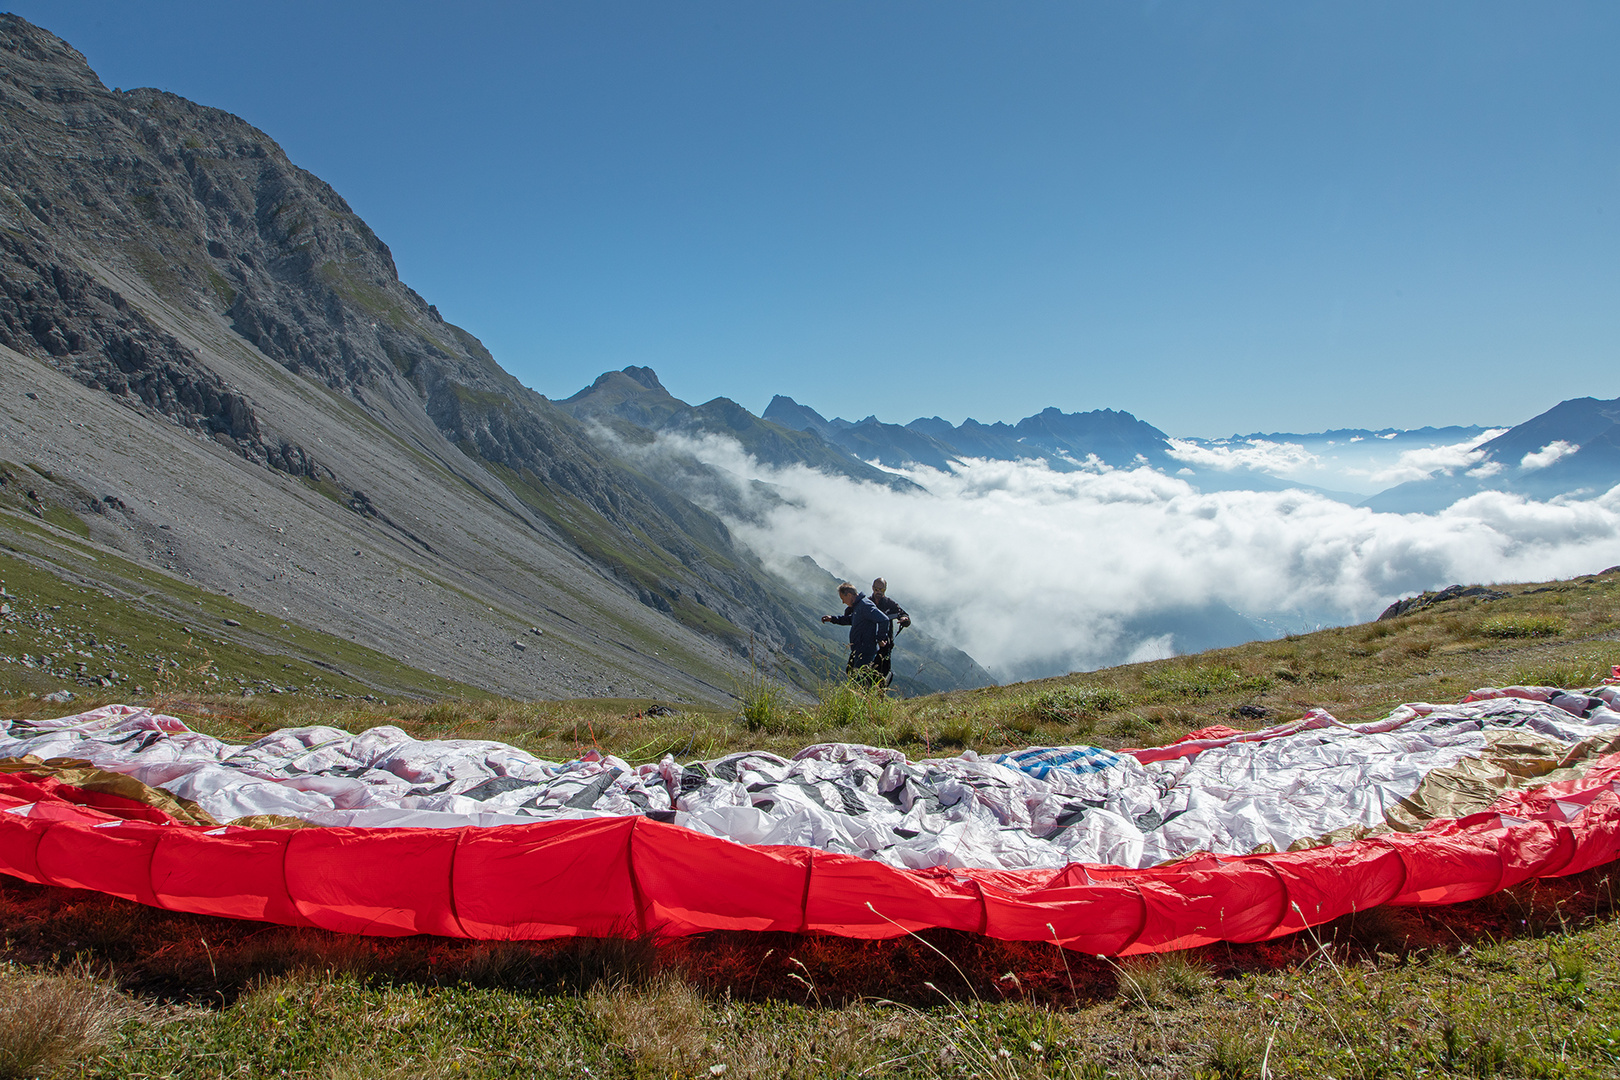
x=606, y=877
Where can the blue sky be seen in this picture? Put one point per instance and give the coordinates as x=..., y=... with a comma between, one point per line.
x=1221, y=217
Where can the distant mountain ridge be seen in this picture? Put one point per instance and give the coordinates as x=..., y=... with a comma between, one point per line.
x=1572, y=449
x=1066, y=440
x=634, y=396
x=1451, y=433
x=1098, y=439
x=1567, y=451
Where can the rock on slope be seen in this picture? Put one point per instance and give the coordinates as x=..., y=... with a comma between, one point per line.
x=207, y=333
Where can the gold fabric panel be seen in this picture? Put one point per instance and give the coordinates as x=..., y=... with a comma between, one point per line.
x=81, y=774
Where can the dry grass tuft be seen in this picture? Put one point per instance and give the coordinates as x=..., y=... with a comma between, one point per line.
x=668, y=1028
x=51, y=1021
x=1523, y=626
x=659, y=1024
x=270, y=992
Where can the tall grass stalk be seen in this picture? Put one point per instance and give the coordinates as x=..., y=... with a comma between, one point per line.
x=1064, y=955
x=764, y=702
x=1325, y=1009
x=983, y=1058
x=854, y=703
x=1523, y=626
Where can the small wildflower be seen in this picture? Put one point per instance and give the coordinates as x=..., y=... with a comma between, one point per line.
x=1035, y=1047
x=1004, y=1053
x=717, y=1070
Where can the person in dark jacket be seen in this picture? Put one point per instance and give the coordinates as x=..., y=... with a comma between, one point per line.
x=897, y=614
x=869, y=630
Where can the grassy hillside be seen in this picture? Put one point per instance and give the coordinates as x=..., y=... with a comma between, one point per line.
x=1525, y=983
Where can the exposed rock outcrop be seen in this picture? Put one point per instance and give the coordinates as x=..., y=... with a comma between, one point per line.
x=1423, y=601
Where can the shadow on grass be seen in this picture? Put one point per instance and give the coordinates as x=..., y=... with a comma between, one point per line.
x=202, y=960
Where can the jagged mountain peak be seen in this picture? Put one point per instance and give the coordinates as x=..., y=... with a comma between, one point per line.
x=615, y=386
x=646, y=376
x=59, y=63
x=207, y=211
x=793, y=416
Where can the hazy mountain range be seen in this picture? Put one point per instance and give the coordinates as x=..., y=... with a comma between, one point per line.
x=1572, y=449
x=210, y=368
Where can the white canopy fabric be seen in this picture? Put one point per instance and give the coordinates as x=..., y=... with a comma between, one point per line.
x=1270, y=790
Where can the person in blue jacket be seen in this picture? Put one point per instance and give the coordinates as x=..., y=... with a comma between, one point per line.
x=869, y=630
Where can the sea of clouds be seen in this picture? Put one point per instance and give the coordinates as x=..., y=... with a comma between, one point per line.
x=1363, y=465
x=1036, y=572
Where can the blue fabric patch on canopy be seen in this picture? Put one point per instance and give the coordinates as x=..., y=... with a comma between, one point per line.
x=1040, y=760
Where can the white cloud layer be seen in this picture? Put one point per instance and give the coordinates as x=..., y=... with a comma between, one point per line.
x=1037, y=572
x=1428, y=460
x=1363, y=464
x=1261, y=455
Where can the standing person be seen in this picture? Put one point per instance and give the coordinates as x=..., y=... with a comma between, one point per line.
x=869, y=631
x=886, y=604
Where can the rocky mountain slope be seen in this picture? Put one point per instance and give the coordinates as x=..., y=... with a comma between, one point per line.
x=211, y=366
